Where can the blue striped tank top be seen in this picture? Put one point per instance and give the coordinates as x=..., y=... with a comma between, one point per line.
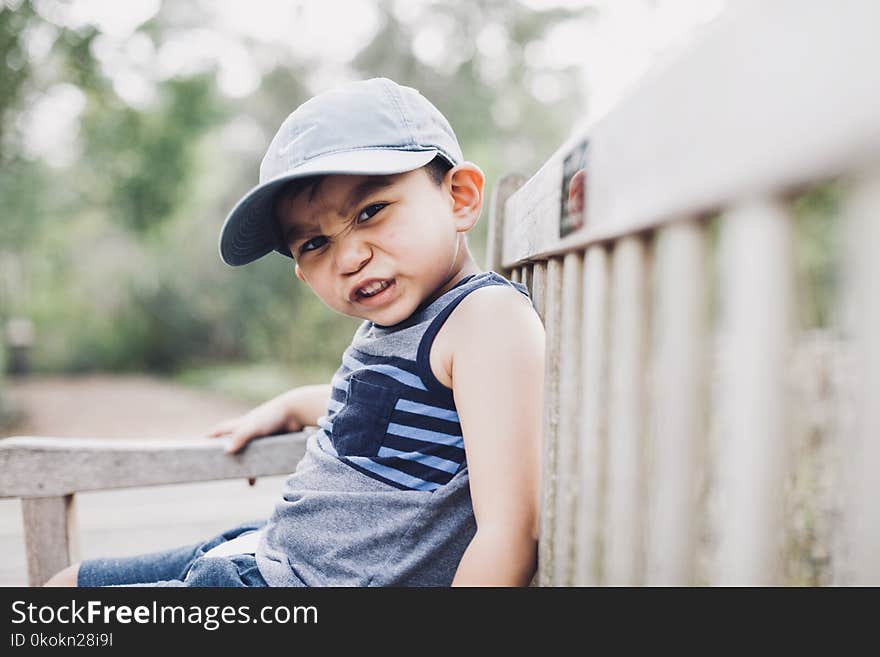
x=388, y=416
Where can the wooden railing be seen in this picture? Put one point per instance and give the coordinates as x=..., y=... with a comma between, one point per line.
x=677, y=447
x=47, y=473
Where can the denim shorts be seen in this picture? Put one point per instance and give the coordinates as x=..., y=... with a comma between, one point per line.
x=184, y=566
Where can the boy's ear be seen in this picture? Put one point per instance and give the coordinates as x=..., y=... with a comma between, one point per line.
x=465, y=184
x=299, y=274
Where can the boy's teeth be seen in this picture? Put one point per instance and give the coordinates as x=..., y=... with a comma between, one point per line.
x=373, y=288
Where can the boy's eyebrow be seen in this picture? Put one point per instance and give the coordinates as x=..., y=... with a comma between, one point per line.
x=365, y=188
x=293, y=233
x=355, y=196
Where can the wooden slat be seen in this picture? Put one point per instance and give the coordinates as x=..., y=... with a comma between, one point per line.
x=50, y=536
x=859, y=444
x=515, y=274
x=526, y=277
x=758, y=128
x=549, y=464
x=624, y=556
x=679, y=398
x=539, y=288
x=592, y=427
x=757, y=304
x=567, y=452
x=506, y=186
x=50, y=467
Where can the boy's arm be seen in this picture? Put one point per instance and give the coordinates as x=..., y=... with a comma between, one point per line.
x=289, y=411
x=497, y=373
x=308, y=403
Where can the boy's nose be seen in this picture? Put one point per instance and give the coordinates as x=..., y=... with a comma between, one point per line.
x=353, y=255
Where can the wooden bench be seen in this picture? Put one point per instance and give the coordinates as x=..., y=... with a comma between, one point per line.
x=47, y=473
x=679, y=390
x=678, y=385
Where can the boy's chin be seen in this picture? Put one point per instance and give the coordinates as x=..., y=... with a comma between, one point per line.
x=384, y=318
x=389, y=316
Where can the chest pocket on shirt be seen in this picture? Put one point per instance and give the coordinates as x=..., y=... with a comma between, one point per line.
x=360, y=426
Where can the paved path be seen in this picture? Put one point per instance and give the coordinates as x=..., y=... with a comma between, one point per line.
x=117, y=407
x=124, y=522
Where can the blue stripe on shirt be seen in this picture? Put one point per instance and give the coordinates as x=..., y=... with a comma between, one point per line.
x=422, y=434
x=370, y=359
x=431, y=461
x=426, y=422
x=424, y=409
x=402, y=376
x=401, y=478
x=447, y=452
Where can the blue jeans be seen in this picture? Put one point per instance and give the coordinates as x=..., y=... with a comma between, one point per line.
x=184, y=566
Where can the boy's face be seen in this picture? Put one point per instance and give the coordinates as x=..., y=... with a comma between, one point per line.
x=376, y=247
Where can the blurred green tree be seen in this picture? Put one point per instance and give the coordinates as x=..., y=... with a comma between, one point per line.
x=115, y=253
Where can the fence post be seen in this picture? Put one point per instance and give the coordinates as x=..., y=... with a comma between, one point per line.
x=757, y=298
x=857, y=561
x=506, y=186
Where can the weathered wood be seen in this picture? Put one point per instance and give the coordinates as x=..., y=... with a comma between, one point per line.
x=505, y=187
x=644, y=460
x=569, y=395
x=49, y=535
x=649, y=162
x=593, y=421
x=515, y=274
x=624, y=533
x=678, y=443
x=858, y=444
x=533, y=210
x=539, y=288
x=526, y=277
x=756, y=272
x=549, y=465
x=52, y=467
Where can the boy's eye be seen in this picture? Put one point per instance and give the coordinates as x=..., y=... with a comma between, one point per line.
x=369, y=211
x=312, y=244
x=316, y=243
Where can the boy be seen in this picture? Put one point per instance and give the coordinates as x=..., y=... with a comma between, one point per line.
x=365, y=187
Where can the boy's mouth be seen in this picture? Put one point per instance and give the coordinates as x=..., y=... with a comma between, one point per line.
x=371, y=290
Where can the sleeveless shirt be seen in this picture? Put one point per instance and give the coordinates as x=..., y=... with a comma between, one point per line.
x=381, y=496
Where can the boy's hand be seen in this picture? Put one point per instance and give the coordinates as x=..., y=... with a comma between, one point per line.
x=273, y=416
x=286, y=413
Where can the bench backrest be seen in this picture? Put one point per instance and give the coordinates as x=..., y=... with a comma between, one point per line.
x=694, y=433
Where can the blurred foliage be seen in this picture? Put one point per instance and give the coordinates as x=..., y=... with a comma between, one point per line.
x=114, y=255
x=817, y=249
x=253, y=382
x=16, y=68
x=140, y=164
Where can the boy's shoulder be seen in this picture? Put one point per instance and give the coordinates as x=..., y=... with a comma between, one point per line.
x=483, y=304
x=493, y=310
x=488, y=318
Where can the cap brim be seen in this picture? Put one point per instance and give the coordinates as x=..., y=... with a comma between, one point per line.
x=249, y=231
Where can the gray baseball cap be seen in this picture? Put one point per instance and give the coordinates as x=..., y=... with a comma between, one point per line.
x=371, y=127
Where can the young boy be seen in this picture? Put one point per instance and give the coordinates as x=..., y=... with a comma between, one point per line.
x=425, y=466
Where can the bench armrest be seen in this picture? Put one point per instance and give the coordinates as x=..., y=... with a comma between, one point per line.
x=51, y=467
